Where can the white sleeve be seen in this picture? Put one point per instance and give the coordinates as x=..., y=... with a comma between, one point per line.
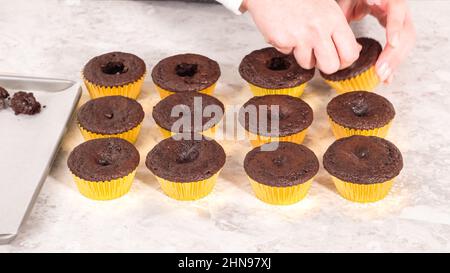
x=233, y=5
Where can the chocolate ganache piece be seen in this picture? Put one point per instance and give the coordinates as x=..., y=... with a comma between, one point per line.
x=114, y=69
x=25, y=103
x=294, y=115
x=368, y=56
x=361, y=110
x=195, y=102
x=4, y=96
x=103, y=159
x=186, y=72
x=186, y=160
x=269, y=68
x=288, y=165
x=110, y=115
x=363, y=160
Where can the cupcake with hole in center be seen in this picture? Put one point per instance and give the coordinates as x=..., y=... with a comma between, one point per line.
x=187, y=169
x=104, y=169
x=185, y=73
x=363, y=168
x=281, y=173
x=113, y=116
x=196, y=112
x=114, y=74
x=361, y=75
x=275, y=118
x=360, y=113
x=270, y=72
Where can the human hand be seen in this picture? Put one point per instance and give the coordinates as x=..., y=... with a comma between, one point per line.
x=395, y=16
x=316, y=31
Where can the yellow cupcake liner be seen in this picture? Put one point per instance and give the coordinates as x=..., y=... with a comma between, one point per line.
x=188, y=191
x=340, y=131
x=210, y=133
x=363, y=193
x=280, y=195
x=296, y=91
x=258, y=140
x=131, y=135
x=131, y=90
x=365, y=81
x=105, y=190
x=163, y=93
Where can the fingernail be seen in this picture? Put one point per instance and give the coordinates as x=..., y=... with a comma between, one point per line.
x=386, y=74
x=384, y=71
x=381, y=69
x=395, y=40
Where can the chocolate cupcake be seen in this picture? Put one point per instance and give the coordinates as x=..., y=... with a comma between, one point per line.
x=104, y=169
x=361, y=75
x=363, y=167
x=270, y=72
x=360, y=113
x=294, y=116
x=186, y=169
x=196, y=104
x=114, y=74
x=184, y=73
x=281, y=173
x=113, y=116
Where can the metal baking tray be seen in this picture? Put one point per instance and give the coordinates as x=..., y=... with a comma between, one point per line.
x=28, y=145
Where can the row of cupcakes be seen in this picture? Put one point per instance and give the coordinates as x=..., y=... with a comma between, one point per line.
x=267, y=71
x=363, y=168
x=352, y=113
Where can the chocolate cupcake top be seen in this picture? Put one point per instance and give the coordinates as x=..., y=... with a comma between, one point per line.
x=196, y=104
x=25, y=103
x=293, y=115
x=186, y=72
x=103, y=159
x=110, y=115
x=114, y=69
x=288, y=165
x=269, y=68
x=186, y=160
x=363, y=160
x=361, y=110
x=368, y=56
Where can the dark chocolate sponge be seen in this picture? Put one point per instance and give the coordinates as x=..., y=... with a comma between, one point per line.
x=186, y=72
x=269, y=68
x=363, y=160
x=25, y=103
x=114, y=69
x=361, y=110
x=4, y=96
x=186, y=160
x=289, y=165
x=368, y=56
x=110, y=115
x=103, y=159
x=162, y=111
x=295, y=115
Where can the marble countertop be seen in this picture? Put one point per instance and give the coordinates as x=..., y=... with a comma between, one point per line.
x=55, y=38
